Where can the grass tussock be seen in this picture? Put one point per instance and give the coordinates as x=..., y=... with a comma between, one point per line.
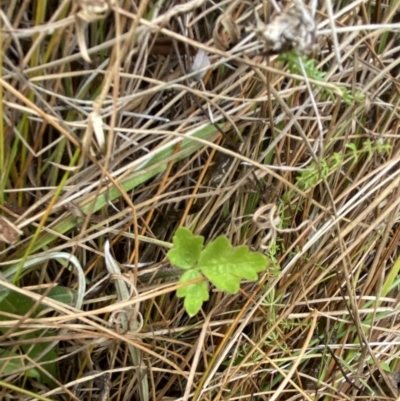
x=124, y=120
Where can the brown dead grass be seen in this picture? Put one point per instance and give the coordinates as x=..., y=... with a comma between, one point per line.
x=92, y=151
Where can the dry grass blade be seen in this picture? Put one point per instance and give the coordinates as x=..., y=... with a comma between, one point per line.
x=273, y=124
x=129, y=321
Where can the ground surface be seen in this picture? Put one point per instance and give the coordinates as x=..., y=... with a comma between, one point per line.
x=124, y=120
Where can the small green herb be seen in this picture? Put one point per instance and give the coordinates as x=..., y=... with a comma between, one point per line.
x=223, y=265
x=19, y=304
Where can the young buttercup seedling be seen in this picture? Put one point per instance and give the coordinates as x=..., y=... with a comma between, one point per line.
x=223, y=265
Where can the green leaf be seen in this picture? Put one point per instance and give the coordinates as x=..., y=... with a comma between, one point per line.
x=19, y=304
x=61, y=294
x=10, y=362
x=385, y=367
x=16, y=303
x=194, y=294
x=225, y=266
x=47, y=360
x=3, y=292
x=187, y=249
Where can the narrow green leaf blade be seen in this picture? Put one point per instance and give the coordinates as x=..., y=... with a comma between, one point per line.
x=194, y=294
x=140, y=175
x=187, y=248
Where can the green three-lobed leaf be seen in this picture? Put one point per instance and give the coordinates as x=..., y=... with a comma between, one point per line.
x=223, y=265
